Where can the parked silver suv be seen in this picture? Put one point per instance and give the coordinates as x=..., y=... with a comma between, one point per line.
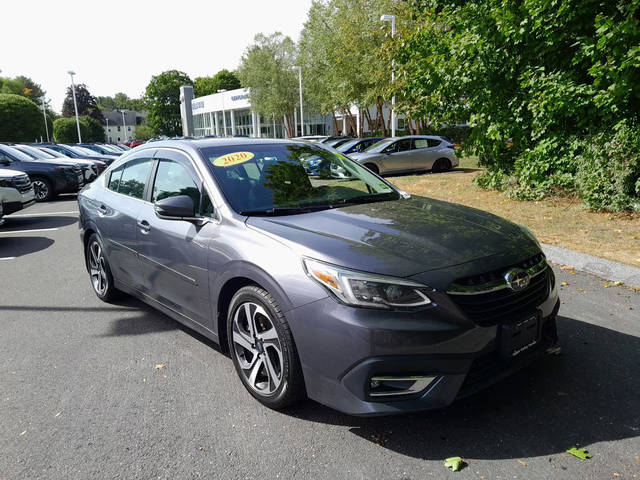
x=16, y=191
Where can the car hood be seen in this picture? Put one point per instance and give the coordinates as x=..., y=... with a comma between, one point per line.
x=360, y=156
x=4, y=172
x=403, y=237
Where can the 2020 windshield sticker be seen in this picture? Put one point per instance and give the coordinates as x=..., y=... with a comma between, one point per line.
x=232, y=159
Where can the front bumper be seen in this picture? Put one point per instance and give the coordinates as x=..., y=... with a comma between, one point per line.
x=342, y=348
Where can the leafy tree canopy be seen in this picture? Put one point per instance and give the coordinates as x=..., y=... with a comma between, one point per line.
x=266, y=69
x=223, y=80
x=20, y=119
x=119, y=101
x=162, y=101
x=87, y=104
x=65, y=130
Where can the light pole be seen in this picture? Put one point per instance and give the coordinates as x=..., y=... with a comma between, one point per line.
x=299, y=69
x=44, y=113
x=108, y=136
x=75, y=104
x=224, y=115
x=124, y=125
x=392, y=19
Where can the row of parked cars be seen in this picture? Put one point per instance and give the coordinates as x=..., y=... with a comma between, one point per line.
x=40, y=171
x=412, y=153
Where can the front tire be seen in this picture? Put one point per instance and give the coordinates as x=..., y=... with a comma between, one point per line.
x=262, y=348
x=99, y=270
x=43, y=189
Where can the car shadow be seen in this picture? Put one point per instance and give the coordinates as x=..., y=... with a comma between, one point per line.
x=19, y=246
x=428, y=172
x=16, y=224
x=588, y=394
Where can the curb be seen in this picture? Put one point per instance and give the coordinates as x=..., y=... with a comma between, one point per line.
x=606, y=269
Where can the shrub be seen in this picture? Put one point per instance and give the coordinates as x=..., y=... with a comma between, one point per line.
x=20, y=119
x=608, y=176
x=65, y=130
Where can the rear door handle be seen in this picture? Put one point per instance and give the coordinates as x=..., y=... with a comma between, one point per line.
x=144, y=226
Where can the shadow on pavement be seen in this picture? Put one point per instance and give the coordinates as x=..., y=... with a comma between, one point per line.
x=420, y=173
x=19, y=246
x=33, y=223
x=589, y=394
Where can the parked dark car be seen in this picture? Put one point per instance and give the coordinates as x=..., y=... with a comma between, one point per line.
x=48, y=178
x=357, y=144
x=99, y=149
x=76, y=152
x=344, y=289
x=89, y=168
x=99, y=164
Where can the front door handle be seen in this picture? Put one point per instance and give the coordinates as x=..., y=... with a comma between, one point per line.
x=102, y=210
x=144, y=226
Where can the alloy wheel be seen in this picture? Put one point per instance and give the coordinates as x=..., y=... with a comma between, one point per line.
x=257, y=348
x=97, y=269
x=41, y=189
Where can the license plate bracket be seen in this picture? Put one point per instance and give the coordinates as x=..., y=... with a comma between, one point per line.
x=519, y=336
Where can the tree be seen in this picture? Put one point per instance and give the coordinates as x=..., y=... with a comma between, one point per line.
x=32, y=90
x=162, y=100
x=20, y=119
x=87, y=104
x=266, y=69
x=345, y=56
x=144, y=132
x=65, y=130
x=119, y=101
x=223, y=80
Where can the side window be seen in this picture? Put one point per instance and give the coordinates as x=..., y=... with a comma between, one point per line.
x=391, y=148
x=134, y=177
x=433, y=142
x=403, y=145
x=114, y=178
x=422, y=143
x=5, y=158
x=172, y=180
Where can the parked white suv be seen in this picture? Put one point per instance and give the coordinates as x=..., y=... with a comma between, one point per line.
x=16, y=191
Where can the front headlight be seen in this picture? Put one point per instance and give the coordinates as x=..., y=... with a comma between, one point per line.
x=367, y=289
x=6, y=182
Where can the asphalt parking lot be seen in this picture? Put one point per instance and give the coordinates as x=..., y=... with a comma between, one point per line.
x=91, y=390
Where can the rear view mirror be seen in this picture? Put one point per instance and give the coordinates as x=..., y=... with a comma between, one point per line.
x=180, y=207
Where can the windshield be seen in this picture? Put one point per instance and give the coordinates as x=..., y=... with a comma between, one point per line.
x=381, y=145
x=81, y=150
x=110, y=148
x=18, y=154
x=51, y=152
x=35, y=153
x=346, y=146
x=289, y=178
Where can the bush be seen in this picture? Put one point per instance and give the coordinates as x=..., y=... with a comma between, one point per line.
x=20, y=119
x=66, y=131
x=608, y=176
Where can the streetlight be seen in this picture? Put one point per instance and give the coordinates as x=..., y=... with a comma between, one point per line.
x=299, y=69
x=75, y=104
x=108, y=135
x=124, y=125
x=224, y=115
x=392, y=19
x=44, y=113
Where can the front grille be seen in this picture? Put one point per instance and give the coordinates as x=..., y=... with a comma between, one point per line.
x=22, y=183
x=492, y=303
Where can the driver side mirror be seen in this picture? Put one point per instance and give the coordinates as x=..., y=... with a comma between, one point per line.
x=180, y=207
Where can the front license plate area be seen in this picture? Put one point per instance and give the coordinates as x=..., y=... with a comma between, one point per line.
x=520, y=336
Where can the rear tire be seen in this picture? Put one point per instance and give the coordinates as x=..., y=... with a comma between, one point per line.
x=99, y=270
x=441, y=165
x=373, y=168
x=43, y=189
x=262, y=349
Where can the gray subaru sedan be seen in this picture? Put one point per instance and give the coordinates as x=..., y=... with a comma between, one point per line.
x=327, y=282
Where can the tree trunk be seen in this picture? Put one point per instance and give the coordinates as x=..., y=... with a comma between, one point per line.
x=351, y=122
x=335, y=123
x=367, y=115
x=380, y=119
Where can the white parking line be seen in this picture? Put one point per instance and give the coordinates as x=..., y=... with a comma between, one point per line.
x=7, y=258
x=31, y=231
x=39, y=214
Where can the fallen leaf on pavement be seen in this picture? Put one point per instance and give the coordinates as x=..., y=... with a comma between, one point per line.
x=454, y=463
x=606, y=285
x=567, y=267
x=564, y=284
x=23, y=433
x=160, y=366
x=617, y=284
x=523, y=463
x=580, y=453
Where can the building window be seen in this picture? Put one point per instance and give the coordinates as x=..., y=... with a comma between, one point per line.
x=118, y=127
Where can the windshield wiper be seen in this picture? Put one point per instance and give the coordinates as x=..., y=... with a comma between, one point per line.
x=285, y=210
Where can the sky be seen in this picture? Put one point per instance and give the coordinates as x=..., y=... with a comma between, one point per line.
x=117, y=45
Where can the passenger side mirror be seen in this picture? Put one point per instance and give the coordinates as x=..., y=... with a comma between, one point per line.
x=180, y=207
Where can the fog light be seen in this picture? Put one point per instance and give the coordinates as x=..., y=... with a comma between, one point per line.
x=383, y=386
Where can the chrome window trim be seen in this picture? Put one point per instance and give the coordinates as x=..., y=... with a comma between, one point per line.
x=455, y=289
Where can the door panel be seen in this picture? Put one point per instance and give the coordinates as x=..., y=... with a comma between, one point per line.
x=424, y=154
x=174, y=253
x=117, y=214
x=399, y=157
